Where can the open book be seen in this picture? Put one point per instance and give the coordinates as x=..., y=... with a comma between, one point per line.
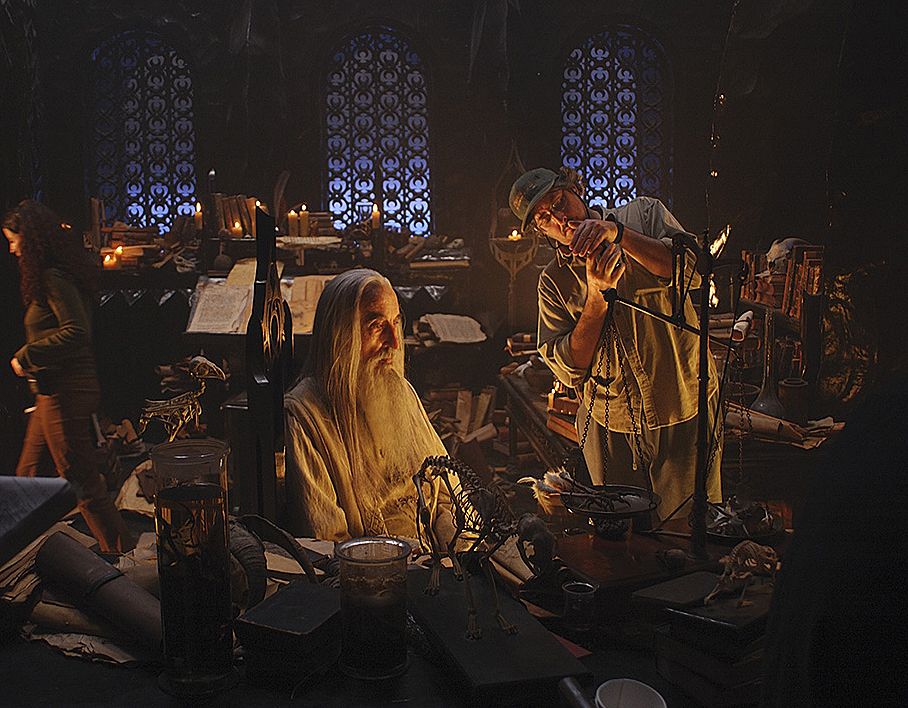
x=224, y=305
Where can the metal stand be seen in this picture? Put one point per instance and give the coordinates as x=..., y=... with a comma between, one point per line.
x=681, y=243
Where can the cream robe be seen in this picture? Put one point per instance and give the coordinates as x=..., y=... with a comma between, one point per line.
x=323, y=500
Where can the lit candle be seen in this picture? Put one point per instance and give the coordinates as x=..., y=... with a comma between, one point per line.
x=293, y=224
x=376, y=217
x=303, y=221
x=111, y=261
x=514, y=235
x=197, y=217
x=236, y=231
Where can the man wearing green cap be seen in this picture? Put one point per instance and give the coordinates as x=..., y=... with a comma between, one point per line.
x=635, y=375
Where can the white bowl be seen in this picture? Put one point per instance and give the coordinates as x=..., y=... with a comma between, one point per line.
x=628, y=693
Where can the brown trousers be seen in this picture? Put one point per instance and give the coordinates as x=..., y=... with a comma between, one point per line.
x=59, y=432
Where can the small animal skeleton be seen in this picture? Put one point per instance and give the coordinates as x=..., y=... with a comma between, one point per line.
x=745, y=560
x=482, y=515
x=184, y=408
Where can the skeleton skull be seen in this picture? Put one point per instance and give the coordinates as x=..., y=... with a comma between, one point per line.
x=778, y=253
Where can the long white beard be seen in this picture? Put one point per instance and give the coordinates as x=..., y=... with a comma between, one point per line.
x=397, y=439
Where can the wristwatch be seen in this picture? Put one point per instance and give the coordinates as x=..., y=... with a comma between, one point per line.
x=611, y=217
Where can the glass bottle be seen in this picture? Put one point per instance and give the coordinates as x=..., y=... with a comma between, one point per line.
x=768, y=400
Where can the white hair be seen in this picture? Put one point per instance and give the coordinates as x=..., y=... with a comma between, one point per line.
x=352, y=389
x=336, y=341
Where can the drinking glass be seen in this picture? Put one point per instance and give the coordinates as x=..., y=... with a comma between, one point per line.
x=373, y=579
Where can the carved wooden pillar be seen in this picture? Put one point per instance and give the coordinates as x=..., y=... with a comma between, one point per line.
x=269, y=356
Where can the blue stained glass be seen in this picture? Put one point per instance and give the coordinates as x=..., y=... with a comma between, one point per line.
x=141, y=149
x=616, y=116
x=376, y=119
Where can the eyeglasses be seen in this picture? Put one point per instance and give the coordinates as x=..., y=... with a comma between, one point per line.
x=543, y=217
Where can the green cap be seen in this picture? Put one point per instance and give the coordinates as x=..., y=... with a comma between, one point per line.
x=527, y=190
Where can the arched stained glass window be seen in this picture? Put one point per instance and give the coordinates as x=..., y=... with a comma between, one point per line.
x=377, y=132
x=141, y=150
x=616, y=117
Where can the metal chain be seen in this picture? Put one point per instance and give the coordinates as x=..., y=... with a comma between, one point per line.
x=589, y=416
x=740, y=387
x=630, y=408
x=738, y=382
x=609, y=335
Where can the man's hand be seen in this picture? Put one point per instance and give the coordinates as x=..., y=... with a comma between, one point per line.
x=604, y=269
x=17, y=367
x=590, y=235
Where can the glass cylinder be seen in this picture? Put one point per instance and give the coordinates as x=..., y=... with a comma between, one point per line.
x=193, y=569
x=194, y=460
x=767, y=401
x=373, y=579
x=579, y=607
x=793, y=395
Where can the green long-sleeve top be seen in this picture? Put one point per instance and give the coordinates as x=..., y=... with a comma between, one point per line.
x=57, y=332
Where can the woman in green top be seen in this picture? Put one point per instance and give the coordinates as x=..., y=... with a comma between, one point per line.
x=57, y=282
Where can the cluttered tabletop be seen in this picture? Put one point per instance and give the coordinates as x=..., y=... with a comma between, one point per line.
x=626, y=605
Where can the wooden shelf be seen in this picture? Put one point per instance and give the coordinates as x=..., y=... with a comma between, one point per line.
x=784, y=322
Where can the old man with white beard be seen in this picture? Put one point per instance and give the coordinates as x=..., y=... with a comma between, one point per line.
x=356, y=430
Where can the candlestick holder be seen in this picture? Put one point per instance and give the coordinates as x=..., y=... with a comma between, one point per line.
x=514, y=254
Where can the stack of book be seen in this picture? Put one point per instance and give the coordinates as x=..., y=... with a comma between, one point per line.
x=803, y=276
x=769, y=289
x=457, y=412
x=562, y=412
x=234, y=215
x=712, y=652
x=756, y=263
x=521, y=345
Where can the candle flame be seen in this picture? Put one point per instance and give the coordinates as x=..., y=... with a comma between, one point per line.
x=303, y=208
x=292, y=213
x=198, y=207
x=715, y=248
x=374, y=208
x=119, y=250
x=236, y=224
x=514, y=235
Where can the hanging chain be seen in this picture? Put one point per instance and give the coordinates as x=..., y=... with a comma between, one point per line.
x=610, y=335
x=589, y=416
x=740, y=387
x=738, y=383
x=630, y=408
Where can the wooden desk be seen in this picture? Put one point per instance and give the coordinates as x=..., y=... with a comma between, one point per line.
x=752, y=468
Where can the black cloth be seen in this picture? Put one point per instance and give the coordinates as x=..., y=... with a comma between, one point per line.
x=840, y=606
